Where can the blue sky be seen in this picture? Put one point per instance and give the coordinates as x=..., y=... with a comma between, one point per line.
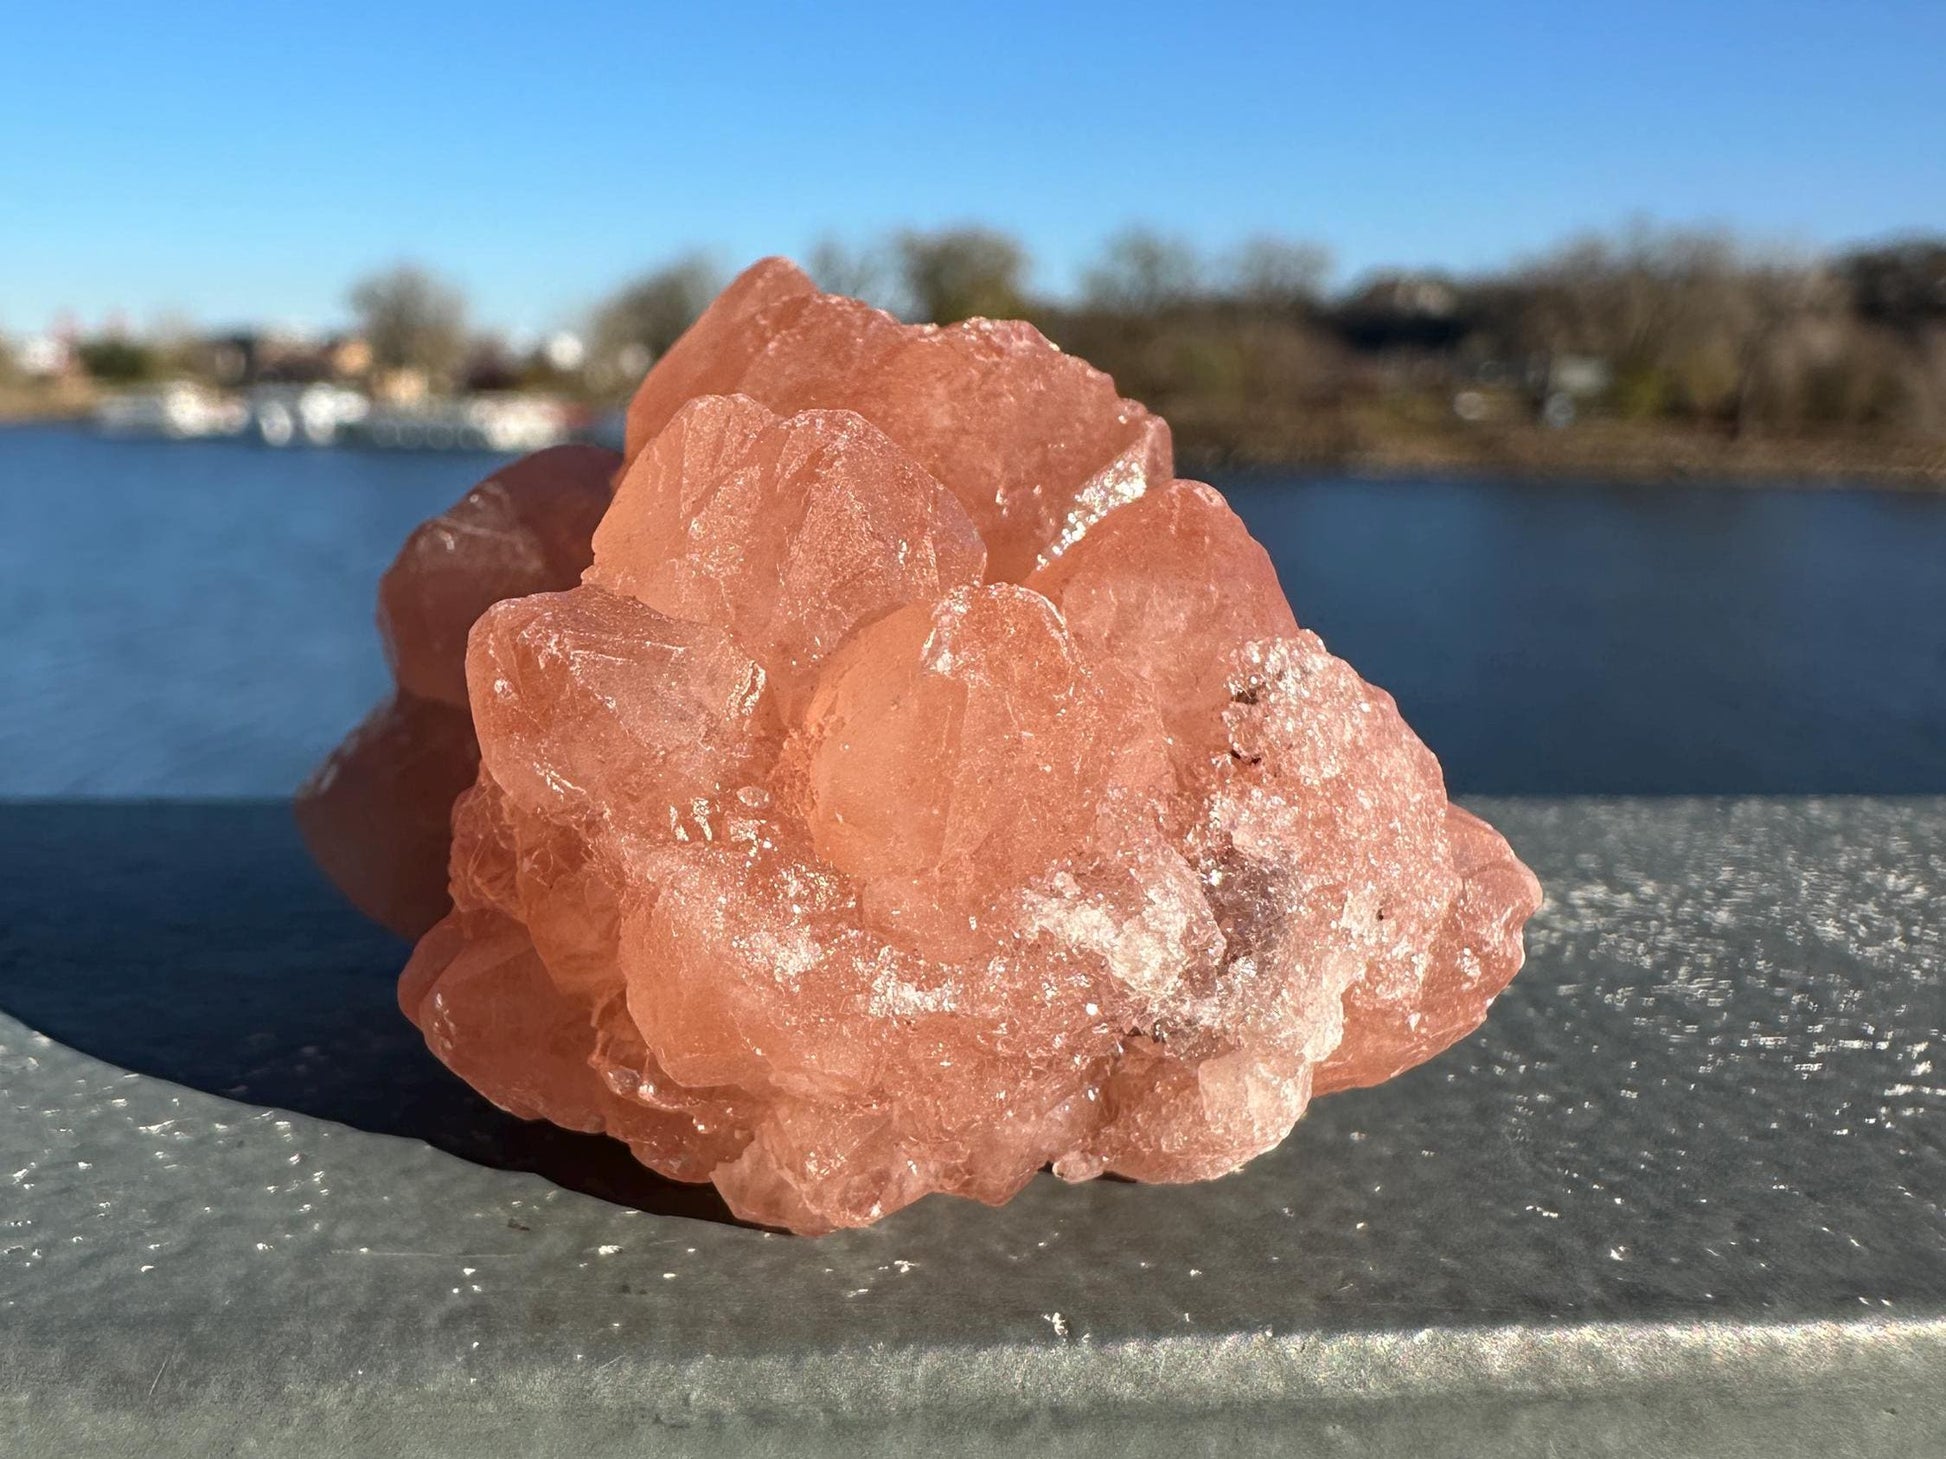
x=248, y=161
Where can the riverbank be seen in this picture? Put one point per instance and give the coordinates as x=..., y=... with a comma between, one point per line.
x=1403, y=439
x=1412, y=438
x=26, y=405
x=1626, y=456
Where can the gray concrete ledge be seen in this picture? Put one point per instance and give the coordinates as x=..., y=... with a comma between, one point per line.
x=1682, y=1195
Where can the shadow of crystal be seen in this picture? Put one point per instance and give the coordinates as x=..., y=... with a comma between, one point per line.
x=195, y=941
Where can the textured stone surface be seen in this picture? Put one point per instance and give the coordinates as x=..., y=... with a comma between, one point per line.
x=921, y=788
x=376, y=813
x=1682, y=1195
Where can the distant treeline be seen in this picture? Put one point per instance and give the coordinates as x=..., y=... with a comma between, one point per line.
x=1251, y=355
x=1648, y=333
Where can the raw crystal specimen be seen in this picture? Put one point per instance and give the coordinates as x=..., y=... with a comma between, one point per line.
x=376, y=814
x=921, y=788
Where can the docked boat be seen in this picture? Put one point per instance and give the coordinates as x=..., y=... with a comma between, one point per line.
x=179, y=411
x=479, y=423
x=305, y=415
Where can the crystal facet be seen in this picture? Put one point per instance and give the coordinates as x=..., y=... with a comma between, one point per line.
x=920, y=788
x=1033, y=442
x=375, y=813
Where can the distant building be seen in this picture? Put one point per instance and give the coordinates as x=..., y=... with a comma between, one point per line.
x=564, y=352
x=243, y=358
x=44, y=356
x=1413, y=310
x=1412, y=296
x=350, y=356
x=405, y=386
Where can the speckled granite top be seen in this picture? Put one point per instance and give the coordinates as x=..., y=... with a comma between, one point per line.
x=1682, y=1195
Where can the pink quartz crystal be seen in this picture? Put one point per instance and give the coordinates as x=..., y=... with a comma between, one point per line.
x=1034, y=443
x=920, y=788
x=377, y=813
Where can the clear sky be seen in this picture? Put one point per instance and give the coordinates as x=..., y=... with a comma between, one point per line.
x=245, y=161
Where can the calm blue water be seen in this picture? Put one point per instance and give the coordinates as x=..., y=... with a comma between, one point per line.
x=196, y=619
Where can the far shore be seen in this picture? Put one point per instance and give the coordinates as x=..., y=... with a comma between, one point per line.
x=1597, y=449
x=1607, y=451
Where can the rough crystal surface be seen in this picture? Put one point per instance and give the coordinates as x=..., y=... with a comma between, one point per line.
x=1033, y=442
x=376, y=813
x=920, y=789
x=788, y=532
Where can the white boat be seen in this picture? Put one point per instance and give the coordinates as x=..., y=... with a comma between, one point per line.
x=310, y=415
x=178, y=410
x=479, y=423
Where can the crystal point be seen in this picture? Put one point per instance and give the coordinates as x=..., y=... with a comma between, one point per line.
x=1035, y=443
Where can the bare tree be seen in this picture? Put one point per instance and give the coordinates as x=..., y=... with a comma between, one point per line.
x=1692, y=321
x=413, y=320
x=863, y=273
x=958, y=273
x=636, y=325
x=1902, y=284
x=1142, y=271
x=1280, y=274
x=1787, y=325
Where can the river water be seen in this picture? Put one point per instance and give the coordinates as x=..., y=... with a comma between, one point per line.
x=195, y=619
